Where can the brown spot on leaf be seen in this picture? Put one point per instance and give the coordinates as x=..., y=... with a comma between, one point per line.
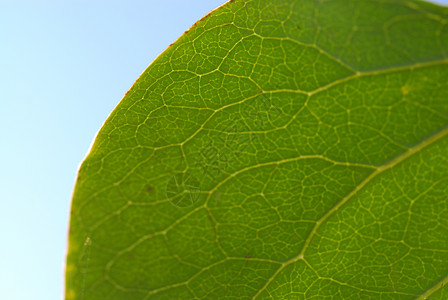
x=149, y=189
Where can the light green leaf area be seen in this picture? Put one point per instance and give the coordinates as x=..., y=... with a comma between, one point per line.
x=277, y=150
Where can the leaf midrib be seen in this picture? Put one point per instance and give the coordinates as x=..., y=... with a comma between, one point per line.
x=379, y=170
x=434, y=288
x=399, y=159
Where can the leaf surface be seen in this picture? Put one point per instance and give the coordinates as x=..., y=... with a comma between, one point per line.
x=277, y=150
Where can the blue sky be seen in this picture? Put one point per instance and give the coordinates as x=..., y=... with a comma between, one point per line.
x=64, y=65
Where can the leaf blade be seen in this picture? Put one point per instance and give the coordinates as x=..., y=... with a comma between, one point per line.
x=220, y=164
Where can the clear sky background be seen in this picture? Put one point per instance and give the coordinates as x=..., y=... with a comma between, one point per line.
x=64, y=65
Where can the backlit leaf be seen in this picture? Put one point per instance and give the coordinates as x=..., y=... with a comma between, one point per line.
x=277, y=150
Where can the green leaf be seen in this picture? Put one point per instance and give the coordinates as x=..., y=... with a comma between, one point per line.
x=277, y=150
